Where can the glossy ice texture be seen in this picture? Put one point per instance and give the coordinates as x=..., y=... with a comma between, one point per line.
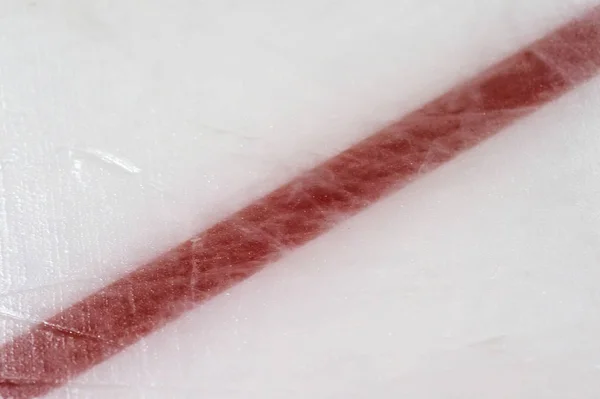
x=95, y=328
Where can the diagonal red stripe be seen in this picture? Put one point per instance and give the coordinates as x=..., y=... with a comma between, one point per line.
x=118, y=315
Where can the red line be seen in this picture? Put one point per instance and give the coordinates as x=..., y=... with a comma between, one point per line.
x=118, y=315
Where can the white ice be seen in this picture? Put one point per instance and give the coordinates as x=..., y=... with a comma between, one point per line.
x=127, y=126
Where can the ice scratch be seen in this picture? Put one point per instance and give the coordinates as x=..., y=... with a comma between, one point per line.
x=48, y=325
x=111, y=159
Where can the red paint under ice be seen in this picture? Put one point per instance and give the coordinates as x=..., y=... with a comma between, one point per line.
x=118, y=315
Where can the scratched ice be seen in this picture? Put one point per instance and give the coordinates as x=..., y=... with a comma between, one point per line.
x=126, y=129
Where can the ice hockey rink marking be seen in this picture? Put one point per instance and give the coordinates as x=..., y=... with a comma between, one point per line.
x=115, y=317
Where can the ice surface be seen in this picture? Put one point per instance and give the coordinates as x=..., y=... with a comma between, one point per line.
x=128, y=127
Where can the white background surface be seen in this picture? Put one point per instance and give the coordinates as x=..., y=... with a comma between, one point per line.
x=127, y=126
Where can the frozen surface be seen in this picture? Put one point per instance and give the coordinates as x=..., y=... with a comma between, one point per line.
x=126, y=127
